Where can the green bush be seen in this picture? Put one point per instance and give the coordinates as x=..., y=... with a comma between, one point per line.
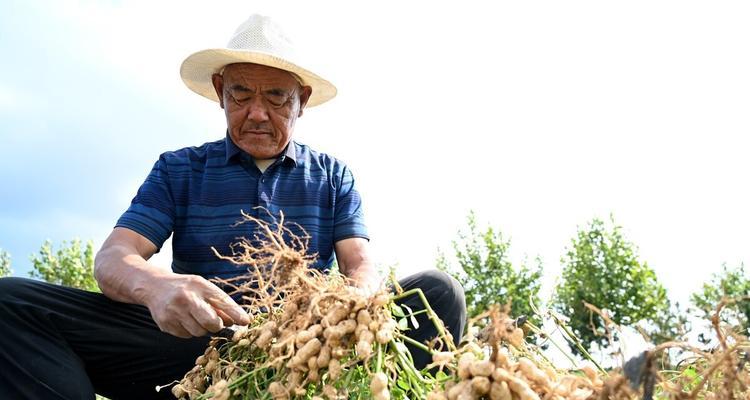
x=488, y=276
x=70, y=265
x=602, y=268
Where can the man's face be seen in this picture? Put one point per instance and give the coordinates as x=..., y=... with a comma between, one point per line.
x=261, y=105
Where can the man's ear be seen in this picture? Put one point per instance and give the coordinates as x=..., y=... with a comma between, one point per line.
x=218, y=82
x=303, y=98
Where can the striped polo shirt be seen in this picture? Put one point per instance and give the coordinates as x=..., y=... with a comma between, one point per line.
x=196, y=194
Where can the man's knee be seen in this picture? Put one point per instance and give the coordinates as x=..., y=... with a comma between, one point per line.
x=446, y=297
x=438, y=284
x=437, y=278
x=443, y=292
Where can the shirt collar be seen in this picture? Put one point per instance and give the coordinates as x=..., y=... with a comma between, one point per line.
x=290, y=153
x=232, y=149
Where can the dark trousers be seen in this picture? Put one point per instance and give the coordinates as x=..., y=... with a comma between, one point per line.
x=63, y=343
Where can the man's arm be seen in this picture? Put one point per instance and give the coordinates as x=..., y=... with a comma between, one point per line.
x=182, y=305
x=354, y=261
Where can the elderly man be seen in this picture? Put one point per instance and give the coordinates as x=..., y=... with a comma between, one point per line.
x=150, y=323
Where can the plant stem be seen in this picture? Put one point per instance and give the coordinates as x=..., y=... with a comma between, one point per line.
x=538, y=330
x=431, y=313
x=408, y=367
x=379, y=361
x=416, y=313
x=707, y=374
x=414, y=342
x=414, y=378
x=573, y=338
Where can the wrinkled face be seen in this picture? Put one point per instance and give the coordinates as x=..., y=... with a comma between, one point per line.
x=261, y=105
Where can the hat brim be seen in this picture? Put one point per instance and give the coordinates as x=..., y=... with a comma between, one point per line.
x=197, y=69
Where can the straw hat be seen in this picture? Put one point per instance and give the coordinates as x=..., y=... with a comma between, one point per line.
x=260, y=41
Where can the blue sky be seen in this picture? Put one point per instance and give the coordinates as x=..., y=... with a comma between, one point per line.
x=539, y=116
x=75, y=135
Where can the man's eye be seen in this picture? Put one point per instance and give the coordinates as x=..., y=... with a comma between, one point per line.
x=276, y=99
x=240, y=97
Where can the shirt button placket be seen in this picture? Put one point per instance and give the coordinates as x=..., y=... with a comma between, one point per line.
x=263, y=199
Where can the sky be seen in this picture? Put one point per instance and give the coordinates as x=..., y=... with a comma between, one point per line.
x=537, y=115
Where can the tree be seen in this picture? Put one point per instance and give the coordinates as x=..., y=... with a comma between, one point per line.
x=670, y=325
x=602, y=268
x=5, y=263
x=68, y=266
x=730, y=283
x=486, y=274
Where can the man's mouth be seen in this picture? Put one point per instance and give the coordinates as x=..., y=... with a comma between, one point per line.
x=257, y=132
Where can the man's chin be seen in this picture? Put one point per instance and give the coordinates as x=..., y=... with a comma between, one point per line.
x=257, y=146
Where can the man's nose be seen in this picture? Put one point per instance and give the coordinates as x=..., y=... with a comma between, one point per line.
x=257, y=111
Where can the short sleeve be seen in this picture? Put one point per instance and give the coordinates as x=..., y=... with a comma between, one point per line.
x=349, y=216
x=152, y=211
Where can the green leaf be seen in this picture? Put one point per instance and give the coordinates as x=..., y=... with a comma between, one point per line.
x=412, y=318
x=441, y=375
x=397, y=310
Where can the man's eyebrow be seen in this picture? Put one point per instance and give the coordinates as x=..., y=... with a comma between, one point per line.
x=273, y=90
x=276, y=91
x=241, y=88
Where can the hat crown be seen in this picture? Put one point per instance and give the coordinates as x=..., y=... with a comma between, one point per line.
x=261, y=34
x=258, y=40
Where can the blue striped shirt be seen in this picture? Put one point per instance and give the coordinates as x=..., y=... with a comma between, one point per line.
x=197, y=194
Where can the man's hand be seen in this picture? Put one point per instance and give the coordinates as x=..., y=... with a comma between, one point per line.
x=182, y=305
x=189, y=305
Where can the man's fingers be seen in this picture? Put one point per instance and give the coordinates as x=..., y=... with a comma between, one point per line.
x=193, y=328
x=222, y=302
x=176, y=330
x=228, y=321
x=205, y=315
